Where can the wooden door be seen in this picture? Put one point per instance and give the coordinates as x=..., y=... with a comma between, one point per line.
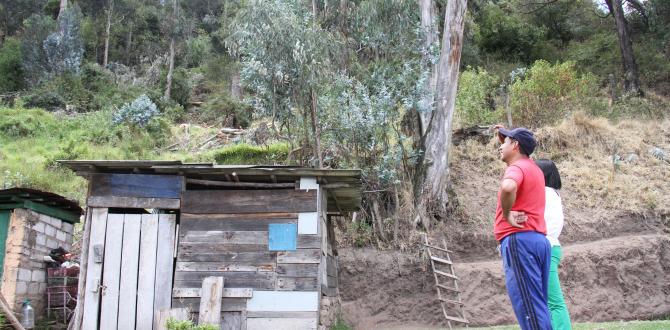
x=130, y=267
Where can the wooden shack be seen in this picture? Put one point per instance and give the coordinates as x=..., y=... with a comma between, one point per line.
x=32, y=223
x=156, y=230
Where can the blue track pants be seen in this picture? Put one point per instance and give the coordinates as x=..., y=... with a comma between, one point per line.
x=526, y=259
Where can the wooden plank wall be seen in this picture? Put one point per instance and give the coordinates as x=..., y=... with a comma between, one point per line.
x=225, y=233
x=135, y=191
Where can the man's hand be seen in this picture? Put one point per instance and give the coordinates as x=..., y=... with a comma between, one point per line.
x=517, y=219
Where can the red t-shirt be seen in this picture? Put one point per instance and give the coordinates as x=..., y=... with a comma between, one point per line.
x=530, y=198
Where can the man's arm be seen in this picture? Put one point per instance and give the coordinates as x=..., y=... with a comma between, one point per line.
x=508, y=188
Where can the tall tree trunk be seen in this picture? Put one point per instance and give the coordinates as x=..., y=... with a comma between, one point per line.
x=434, y=197
x=235, y=89
x=168, y=84
x=63, y=6
x=313, y=105
x=429, y=28
x=631, y=73
x=107, y=30
x=129, y=44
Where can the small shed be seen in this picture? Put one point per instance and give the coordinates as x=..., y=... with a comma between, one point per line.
x=156, y=230
x=32, y=223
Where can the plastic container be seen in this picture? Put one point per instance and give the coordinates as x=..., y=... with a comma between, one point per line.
x=27, y=315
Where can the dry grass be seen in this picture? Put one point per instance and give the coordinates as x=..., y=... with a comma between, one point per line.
x=606, y=168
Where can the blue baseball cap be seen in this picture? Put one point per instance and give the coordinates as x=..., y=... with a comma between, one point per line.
x=523, y=135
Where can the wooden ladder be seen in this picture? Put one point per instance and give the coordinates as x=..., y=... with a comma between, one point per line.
x=446, y=282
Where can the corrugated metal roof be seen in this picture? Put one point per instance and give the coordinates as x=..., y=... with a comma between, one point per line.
x=54, y=201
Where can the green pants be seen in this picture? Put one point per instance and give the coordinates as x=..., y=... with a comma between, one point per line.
x=560, y=318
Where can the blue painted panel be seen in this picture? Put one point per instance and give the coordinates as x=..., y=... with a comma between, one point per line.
x=136, y=185
x=282, y=236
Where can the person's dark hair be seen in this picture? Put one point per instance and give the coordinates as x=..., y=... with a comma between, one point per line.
x=551, y=177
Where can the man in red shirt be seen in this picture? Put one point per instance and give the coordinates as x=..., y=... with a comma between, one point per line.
x=520, y=228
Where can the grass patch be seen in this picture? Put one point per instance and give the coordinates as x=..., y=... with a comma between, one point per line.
x=245, y=154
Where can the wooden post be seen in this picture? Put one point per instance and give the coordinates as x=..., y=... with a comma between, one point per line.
x=210, y=301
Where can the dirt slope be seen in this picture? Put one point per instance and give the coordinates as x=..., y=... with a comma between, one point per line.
x=619, y=278
x=616, y=238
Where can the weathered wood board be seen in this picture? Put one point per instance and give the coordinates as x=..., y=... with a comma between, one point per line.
x=136, y=185
x=147, y=271
x=210, y=222
x=300, y=256
x=210, y=301
x=109, y=305
x=129, y=270
x=227, y=304
x=164, y=261
x=248, y=201
x=255, y=280
x=96, y=251
x=134, y=202
x=297, y=283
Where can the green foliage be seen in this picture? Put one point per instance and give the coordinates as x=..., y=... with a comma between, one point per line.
x=21, y=123
x=181, y=90
x=548, y=92
x=474, y=102
x=340, y=325
x=10, y=66
x=507, y=35
x=225, y=111
x=44, y=99
x=173, y=324
x=137, y=113
x=35, y=63
x=198, y=49
x=246, y=154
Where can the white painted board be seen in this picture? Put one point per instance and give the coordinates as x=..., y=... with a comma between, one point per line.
x=308, y=223
x=283, y=301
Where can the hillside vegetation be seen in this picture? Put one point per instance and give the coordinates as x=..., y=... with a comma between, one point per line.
x=339, y=84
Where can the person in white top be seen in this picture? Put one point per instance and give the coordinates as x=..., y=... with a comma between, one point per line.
x=553, y=217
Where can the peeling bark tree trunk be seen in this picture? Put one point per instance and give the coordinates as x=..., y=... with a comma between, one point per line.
x=107, y=30
x=315, y=129
x=631, y=73
x=235, y=89
x=168, y=84
x=434, y=196
x=429, y=28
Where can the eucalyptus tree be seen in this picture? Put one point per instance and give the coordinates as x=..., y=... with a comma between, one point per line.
x=285, y=59
x=434, y=197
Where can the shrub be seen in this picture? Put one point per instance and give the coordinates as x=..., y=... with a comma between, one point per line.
x=225, y=111
x=137, y=113
x=180, y=91
x=548, y=92
x=474, y=103
x=47, y=100
x=10, y=66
